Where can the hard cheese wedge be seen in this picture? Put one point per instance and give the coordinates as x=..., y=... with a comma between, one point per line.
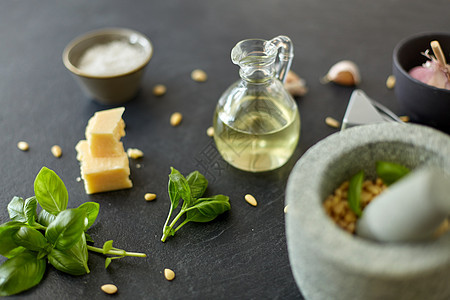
x=101, y=174
x=104, y=131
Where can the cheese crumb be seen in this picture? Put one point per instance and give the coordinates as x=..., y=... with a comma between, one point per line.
x=134, y=153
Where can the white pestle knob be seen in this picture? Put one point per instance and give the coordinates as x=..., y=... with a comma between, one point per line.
x=409, y=210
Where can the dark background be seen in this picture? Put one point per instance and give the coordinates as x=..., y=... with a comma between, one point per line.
x=242, y=254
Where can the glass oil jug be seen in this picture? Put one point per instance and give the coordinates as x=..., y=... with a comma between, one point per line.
x=256, y=122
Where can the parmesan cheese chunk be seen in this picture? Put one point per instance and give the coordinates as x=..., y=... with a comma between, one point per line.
x=101, y=174
x=104, y=131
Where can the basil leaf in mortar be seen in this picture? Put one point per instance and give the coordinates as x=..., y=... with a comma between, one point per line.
x=354, y=193
x=390, y=172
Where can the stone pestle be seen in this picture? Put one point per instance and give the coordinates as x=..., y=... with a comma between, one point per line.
x=410, y=210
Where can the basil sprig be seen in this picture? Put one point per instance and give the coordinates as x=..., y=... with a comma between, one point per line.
x=197, y=209
x=57, y=235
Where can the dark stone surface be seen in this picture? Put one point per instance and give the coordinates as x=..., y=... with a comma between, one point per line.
x=243, y=253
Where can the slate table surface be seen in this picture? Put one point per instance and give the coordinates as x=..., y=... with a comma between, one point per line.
x=243, y=253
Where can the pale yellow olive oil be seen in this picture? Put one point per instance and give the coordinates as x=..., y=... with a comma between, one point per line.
x=259, y=135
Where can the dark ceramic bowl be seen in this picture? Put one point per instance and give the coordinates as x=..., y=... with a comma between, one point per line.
x=423, y=103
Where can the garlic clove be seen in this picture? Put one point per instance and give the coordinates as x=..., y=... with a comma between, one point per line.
x=345, y=73
x=295, y=85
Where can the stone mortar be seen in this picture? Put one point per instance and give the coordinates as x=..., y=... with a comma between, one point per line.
x=329, y=263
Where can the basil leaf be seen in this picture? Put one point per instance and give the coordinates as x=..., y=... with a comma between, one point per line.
x=354, y=193
x=29, y=210
x=66, y=229
x=390, y=172
x=30, y=238
x=73, y=260
x=107, y=262
x=21, y=273
x=88, y=238
x=197, y=183
x=15, y=209
x=45, y=218
x=92, y=209
x=179, y=186
x=207, y=209
x=107, y=246
x=50, y=191
x=8, y=247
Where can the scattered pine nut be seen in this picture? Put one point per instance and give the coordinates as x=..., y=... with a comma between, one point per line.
x=199, y=75
x=159, y=90
x=23, y=146
x=134, y=153
x=109, y=288
x=169, y=274
x=286, y=209
x=404, y=118
x=332, y=122
x=56, y=151
x=250, y=200
x=175, y=119
x=210, y=131
x=149, y=197
x=390, y=82
x=78, y=179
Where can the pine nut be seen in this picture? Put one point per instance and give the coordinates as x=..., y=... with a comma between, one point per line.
x=109, y=288
x=149, y=196
x=286, y=209
x=390, y=82
x=332, y=122
x=210, y=131
x=159, y=90
x=56, y=151
x=175, y=119
x=134, y=153
x=250, y=200
x=404, y=118
x=169, y=274
x=199, y=75
x=23, y=146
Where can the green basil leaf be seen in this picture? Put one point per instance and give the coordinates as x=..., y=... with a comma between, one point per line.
x=8, y=247
x=179, y=185
x=45, y=218
x=65, y=230
x=354, y=193
x=390, y=172
x=92, y=209
x=107, y=246
x=88, y=238
x=29, y=210
x=21, y=273
x=207, y=209
x=30, y=238
x=197, y=183
x=73, y=260
x=15, y=209
x=107, y=262
x=50, y=191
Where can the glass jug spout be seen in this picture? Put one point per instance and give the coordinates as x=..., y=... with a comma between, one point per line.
x=261, y=60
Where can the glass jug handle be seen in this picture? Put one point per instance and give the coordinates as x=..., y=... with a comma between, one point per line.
x=285, y=56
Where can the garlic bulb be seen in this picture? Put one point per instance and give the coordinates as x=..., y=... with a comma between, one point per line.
x=295, y=85
x=344, y=72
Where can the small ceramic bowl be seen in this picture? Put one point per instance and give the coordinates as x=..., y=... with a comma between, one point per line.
x=423, y=103
x=113, y=88
x=329, y=263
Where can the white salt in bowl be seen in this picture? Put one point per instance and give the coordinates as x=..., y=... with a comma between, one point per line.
x=109, y=63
